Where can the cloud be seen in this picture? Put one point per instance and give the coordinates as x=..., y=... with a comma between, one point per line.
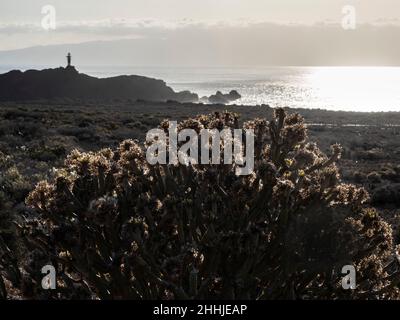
x=18, y=28
x=123, y=27
x=105, y=26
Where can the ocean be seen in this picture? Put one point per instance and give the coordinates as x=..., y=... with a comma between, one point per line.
x=333, y=88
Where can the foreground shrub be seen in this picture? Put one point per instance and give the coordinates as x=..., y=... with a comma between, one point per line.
x=117, y=228
x=12, y=187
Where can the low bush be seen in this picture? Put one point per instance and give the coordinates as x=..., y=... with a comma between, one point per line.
x=371, y=155
x=14, y=184
x=82, y=134
x=374, y=177
x=117, y=228
x=390, y=174
x=387, y=195
x=359, y=177
x=46, y=153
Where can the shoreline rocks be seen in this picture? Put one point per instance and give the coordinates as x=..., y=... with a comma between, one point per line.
x=220, y=98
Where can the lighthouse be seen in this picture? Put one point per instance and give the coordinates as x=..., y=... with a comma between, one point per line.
x=69, y=58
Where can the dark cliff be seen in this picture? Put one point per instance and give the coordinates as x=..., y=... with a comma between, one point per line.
x=69, y=83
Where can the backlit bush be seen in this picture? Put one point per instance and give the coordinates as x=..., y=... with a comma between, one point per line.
x=117, y=228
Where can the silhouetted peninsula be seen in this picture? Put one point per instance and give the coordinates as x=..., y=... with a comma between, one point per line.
x=69, y=83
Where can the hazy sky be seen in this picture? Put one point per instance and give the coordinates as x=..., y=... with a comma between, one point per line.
x=189, y=22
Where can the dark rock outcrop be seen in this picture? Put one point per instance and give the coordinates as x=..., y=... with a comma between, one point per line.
x=220, y=98
x=69, y=83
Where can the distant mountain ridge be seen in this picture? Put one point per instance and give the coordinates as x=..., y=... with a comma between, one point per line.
x=69, y=83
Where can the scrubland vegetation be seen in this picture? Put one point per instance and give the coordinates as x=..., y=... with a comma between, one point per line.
x=76, y=192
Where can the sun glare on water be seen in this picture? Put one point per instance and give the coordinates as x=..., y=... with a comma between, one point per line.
x=356, y=88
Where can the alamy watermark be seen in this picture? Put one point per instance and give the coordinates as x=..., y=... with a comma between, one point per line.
x=184, y=146
x=349, y=20
x=49, y=21
x=49, y=280
x=349, y=280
